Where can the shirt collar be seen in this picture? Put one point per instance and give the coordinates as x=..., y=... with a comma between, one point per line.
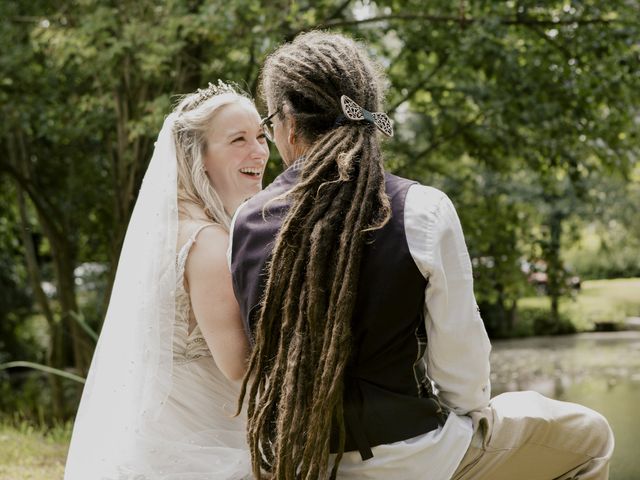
x=297, y=164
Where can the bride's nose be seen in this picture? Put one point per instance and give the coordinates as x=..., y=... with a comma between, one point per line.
x=259, y=152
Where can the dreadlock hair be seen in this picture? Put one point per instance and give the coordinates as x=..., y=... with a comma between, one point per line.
x=294, y=381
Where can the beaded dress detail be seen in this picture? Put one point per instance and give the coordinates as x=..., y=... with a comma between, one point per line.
x=187, y=345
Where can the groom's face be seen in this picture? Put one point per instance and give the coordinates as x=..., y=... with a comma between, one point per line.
x=280, y=134
x=283, y=133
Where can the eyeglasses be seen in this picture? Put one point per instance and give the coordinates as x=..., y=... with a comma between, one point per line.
x=267, y=125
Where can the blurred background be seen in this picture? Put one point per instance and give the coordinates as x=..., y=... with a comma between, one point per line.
x=527, y=113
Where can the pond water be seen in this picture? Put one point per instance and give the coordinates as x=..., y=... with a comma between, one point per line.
x=599, y=370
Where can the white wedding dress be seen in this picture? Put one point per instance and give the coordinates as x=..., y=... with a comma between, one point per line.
x=155, y=406
x=197, y=436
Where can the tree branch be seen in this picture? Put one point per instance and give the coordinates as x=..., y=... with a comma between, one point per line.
x=336, y=13
x=550, y=41
x=26, y=19
x=442, y=61
x=250, y=78
x=33, y=269
x=444, y=139
x=41, y=204
x=465, y=21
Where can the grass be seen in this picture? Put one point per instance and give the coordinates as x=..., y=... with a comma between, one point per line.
x=32, y=453
x=598, y=301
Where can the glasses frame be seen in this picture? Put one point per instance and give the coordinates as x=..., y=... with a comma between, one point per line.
x=267, y=125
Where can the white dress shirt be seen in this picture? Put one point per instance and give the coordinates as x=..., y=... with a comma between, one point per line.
x=458, y=347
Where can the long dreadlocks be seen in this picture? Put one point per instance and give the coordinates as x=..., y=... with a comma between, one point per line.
x=294, y=382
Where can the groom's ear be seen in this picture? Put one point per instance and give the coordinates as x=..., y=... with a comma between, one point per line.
x=291, y=123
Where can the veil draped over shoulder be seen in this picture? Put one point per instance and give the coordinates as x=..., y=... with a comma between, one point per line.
x=122, y=429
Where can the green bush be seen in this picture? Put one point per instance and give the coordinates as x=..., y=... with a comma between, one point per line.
x=612, y=253
x=532, y=321
x=544, y=325
x=28, y=397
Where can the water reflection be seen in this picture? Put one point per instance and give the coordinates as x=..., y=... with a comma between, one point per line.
x=599, y=370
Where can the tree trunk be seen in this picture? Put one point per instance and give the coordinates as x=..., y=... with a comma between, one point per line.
x=554, y=265
x=81, y=347
x=52, y=224
x=35, y=278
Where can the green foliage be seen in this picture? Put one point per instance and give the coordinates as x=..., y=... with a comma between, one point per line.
x=15, y=299
x=612, y=254
x=26, y=392
x=538, y=321
x=598, y=302
x=608, y=243
x=525, y=113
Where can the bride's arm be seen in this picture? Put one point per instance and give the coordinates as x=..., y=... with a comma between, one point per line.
x=214, y=304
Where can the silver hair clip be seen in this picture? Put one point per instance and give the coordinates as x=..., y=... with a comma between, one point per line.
x=213, y=90
x=355, y=112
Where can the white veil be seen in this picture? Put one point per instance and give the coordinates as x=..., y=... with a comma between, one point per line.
x=121, y=430
x=130, y=375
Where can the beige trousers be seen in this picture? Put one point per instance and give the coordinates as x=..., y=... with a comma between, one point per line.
x=525, y=436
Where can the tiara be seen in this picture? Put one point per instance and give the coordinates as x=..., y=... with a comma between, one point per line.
x=212, y=90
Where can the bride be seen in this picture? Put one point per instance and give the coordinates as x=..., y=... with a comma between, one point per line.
x=160, y=397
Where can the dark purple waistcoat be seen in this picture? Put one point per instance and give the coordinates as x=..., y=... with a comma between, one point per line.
x=387, y=396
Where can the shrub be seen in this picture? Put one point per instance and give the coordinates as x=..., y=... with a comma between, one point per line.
x=537, y=321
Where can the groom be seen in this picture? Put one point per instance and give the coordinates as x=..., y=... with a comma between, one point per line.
x=413, y=284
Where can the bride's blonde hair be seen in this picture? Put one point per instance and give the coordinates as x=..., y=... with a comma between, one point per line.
x=193, y=124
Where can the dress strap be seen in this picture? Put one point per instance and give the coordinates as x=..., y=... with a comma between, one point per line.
x=186, y=248
x=192, y=238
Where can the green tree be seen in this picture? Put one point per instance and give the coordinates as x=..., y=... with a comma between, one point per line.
x=513, y=108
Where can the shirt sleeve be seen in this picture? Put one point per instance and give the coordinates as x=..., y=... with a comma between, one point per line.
x=458, y=346
x=231, y=227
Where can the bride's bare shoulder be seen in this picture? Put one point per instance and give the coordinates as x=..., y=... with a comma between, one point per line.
x=194, y=229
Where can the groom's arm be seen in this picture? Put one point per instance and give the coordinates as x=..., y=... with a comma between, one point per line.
x=458, y=346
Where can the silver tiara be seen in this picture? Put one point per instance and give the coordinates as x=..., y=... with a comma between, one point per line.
x=355, y=112
x=211, y=91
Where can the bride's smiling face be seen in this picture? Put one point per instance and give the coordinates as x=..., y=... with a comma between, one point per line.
x=236, y=154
